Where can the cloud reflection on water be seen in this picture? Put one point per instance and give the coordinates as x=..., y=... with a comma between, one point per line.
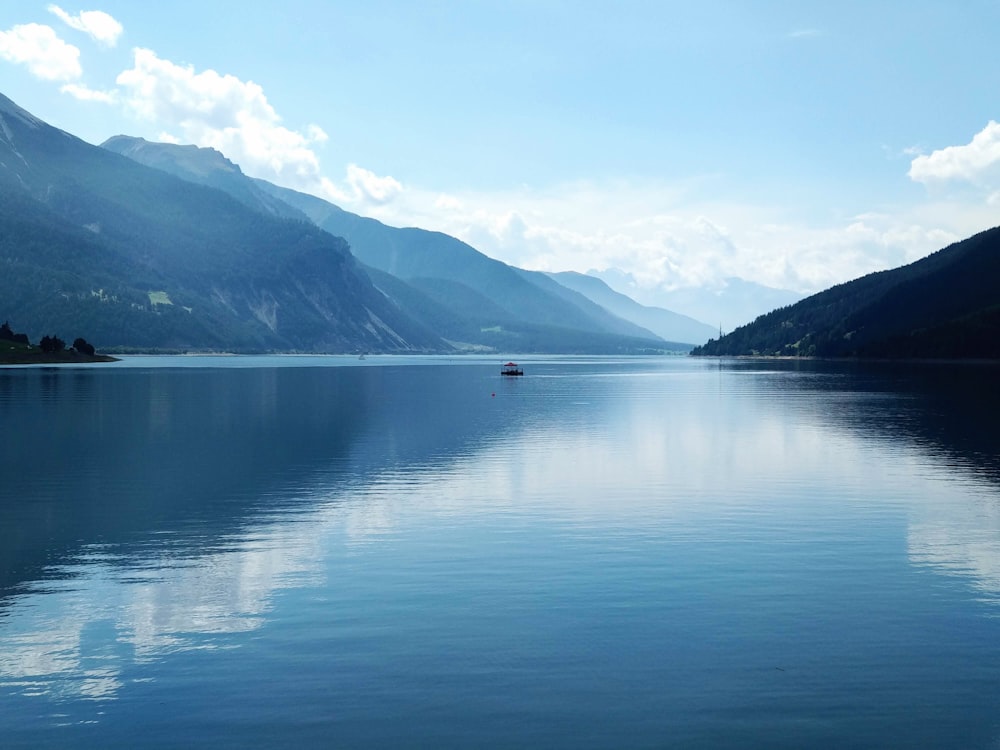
x=651, y=456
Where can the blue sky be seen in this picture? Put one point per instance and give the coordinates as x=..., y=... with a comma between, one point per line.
x=793, y=144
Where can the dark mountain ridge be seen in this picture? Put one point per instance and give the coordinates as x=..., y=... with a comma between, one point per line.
x=474, y=302
x=95, y=242
x=205, y=166
x=946, y=305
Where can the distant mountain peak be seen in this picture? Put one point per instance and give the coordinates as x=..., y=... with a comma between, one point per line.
x=201, y=160
x=668, y=325
x=205, y=166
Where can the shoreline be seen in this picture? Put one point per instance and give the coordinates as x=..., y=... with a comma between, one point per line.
x=38, y=357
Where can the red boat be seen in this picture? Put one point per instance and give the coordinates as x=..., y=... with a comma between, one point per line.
x=511, y=368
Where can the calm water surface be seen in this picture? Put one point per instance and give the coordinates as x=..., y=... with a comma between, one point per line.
x=414, y=552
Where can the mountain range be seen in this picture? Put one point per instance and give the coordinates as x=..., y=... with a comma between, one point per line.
x=473, y=301
x=494, y=304
x=664, y=323
x=152, y=246
x=165, y=247
x=95, y=244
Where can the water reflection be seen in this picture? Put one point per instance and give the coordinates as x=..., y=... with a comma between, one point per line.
x=948, y=411
x=78, y=636
x=106, y=458
x=960, y=539
x=935, y=421
x=160, y=512
x=150, y=510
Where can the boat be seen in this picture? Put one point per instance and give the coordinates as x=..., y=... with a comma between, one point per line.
x=511, y=368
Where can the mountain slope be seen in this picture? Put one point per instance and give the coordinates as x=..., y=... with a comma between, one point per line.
x=443, y=279
x=133, y=257
x=944, y=305
x=613, y=323
x=204, y=166
x=666, y=324
x=412, y=253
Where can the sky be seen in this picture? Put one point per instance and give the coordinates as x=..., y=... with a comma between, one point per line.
x=793, y=144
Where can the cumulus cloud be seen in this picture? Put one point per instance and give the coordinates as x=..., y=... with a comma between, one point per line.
x=586, y=225
x=40, y=49
x=223, y=112
x=661, y=240
x=370, y=187
x=316, y=134
x=87, y=94
x=97, y=24
x=977, y=162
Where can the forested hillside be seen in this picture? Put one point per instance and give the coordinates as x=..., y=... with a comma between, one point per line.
x=944, y=305
x=91, y=240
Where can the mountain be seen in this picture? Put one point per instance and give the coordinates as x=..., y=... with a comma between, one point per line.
x=666, y=324
x=473, y=301
x=526, y=307
x=945, y=305
x=205, y=166
x=727, y=304
x=96, y=244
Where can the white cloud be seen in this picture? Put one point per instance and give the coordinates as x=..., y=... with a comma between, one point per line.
x=221, y=111
x=210, y=109
x=97, y=24
x=369, y=187
x=87, y=94
x=40, y=49
x=666, y=241
x=316, y=134
x=977, y=162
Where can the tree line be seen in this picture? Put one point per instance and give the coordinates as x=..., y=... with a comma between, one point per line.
x=48, y=344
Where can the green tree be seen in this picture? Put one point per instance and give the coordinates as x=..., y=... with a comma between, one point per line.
x=52, y=344
x=81, y=345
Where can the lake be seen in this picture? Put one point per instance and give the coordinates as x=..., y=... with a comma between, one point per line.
x=407, y=552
